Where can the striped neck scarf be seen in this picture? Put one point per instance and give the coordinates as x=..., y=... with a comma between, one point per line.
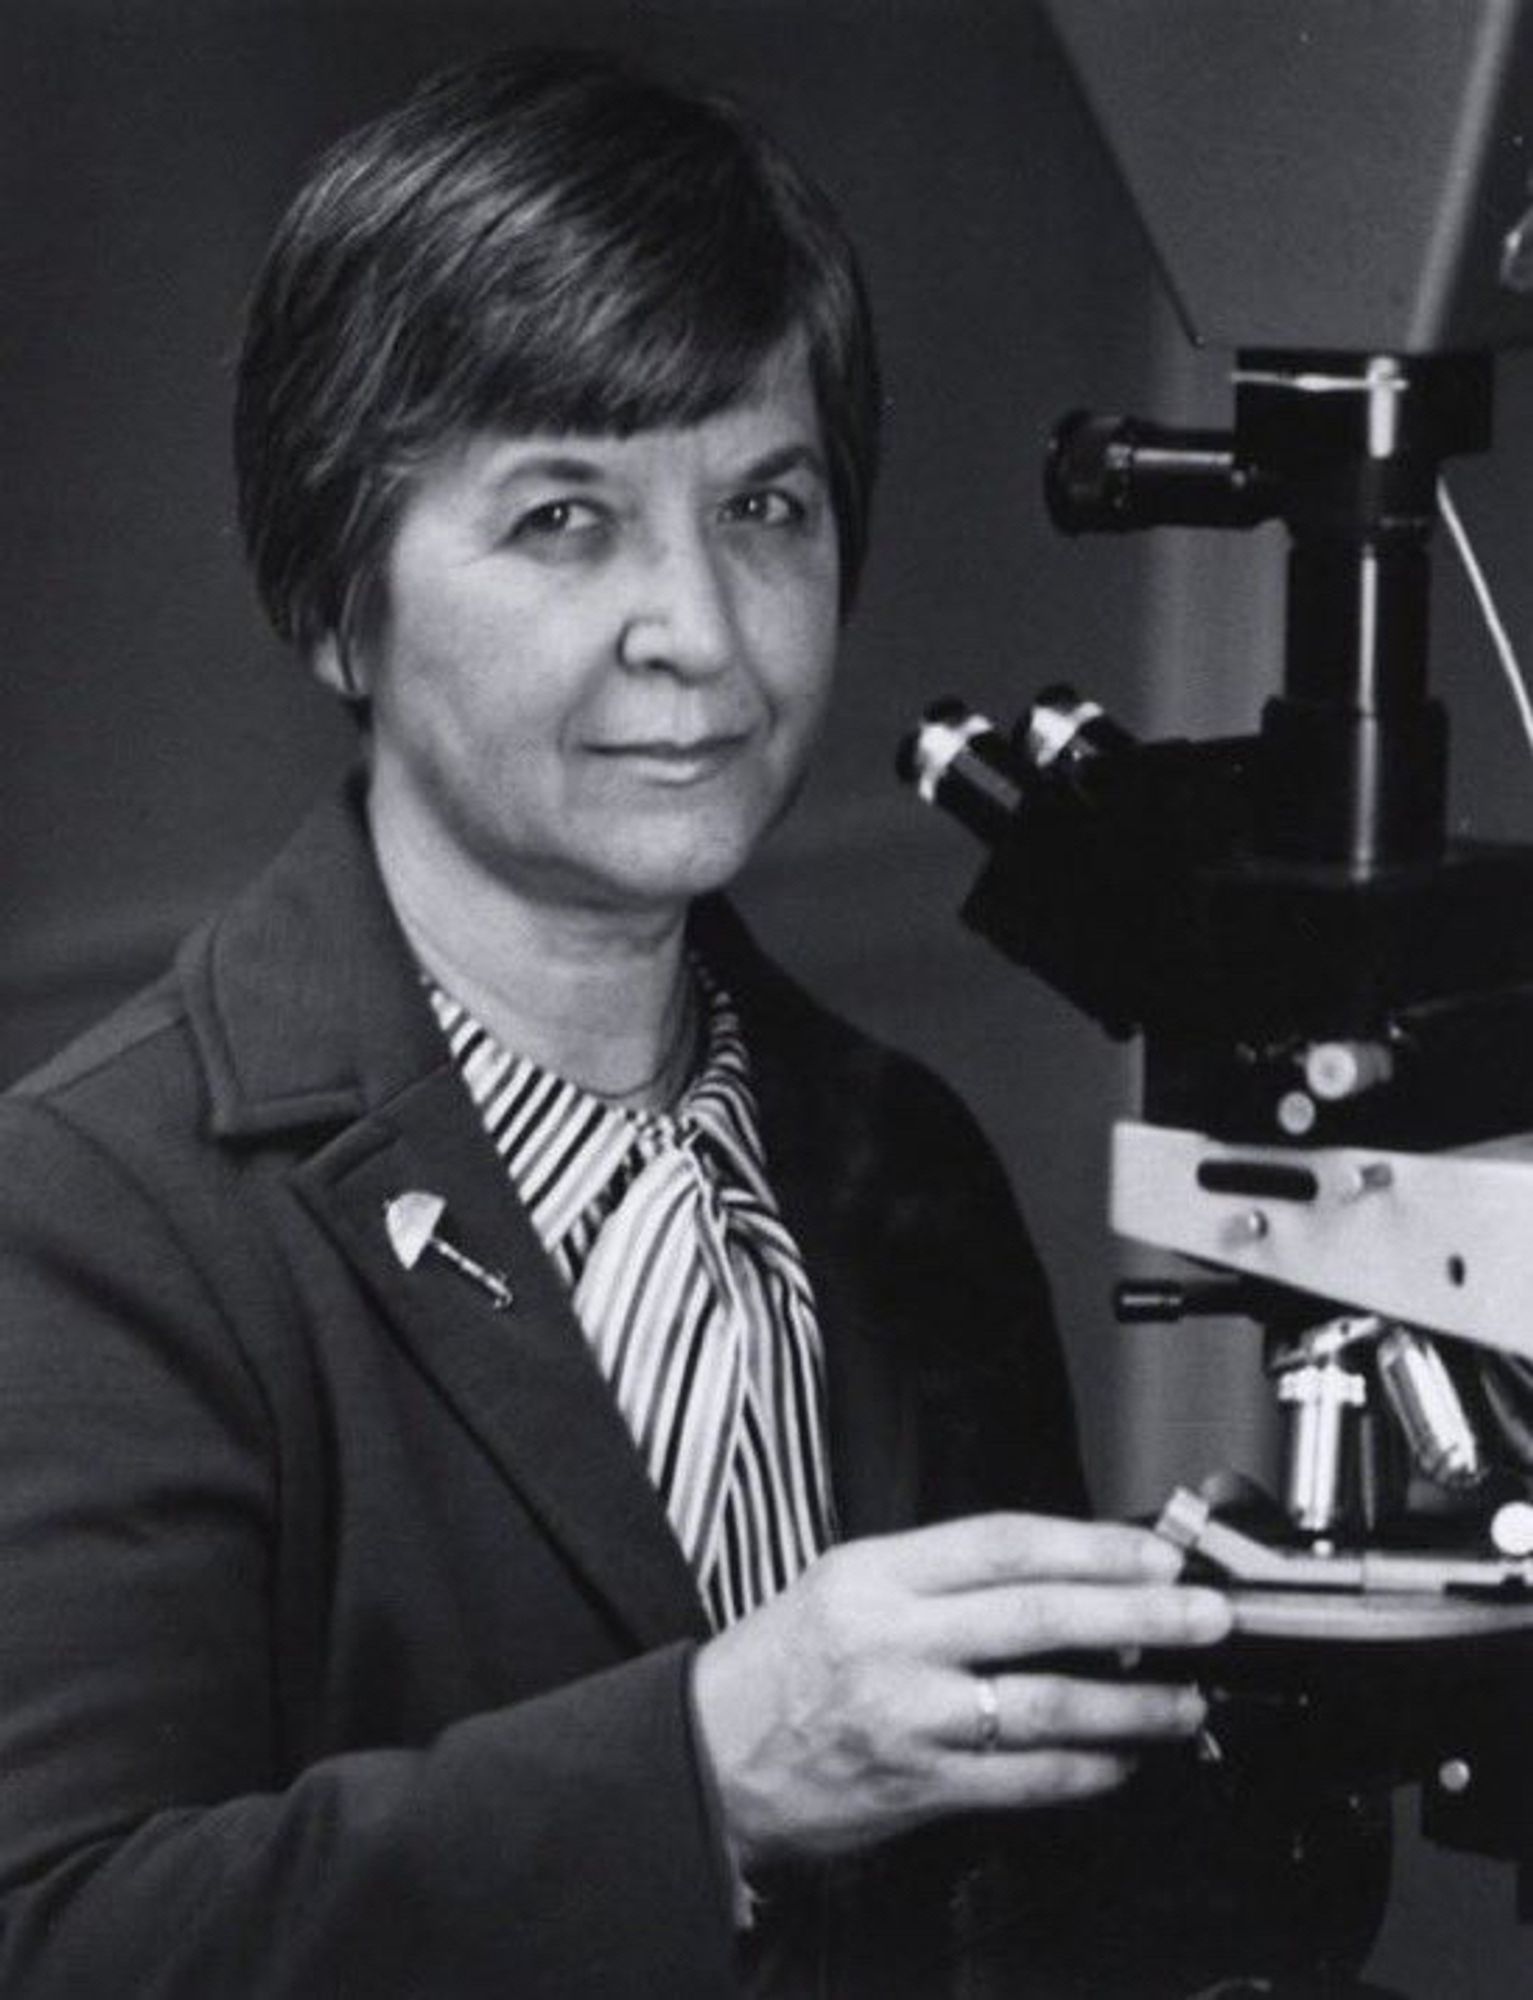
x=690, y=1291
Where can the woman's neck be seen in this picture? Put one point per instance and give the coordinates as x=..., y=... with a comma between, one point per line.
x=602, y=996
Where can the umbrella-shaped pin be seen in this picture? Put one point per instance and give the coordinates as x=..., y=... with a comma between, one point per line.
x=411, y=1220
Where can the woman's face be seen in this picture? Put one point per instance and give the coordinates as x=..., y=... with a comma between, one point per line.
x=602, y=660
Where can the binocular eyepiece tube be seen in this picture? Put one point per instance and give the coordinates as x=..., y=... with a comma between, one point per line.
x=959, y=760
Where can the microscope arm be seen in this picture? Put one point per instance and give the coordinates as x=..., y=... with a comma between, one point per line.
x=1442, y=1241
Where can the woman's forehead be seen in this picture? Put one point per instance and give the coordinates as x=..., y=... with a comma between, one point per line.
x=776, y=415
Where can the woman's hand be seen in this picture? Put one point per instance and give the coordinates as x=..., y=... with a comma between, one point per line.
x=894, y=1682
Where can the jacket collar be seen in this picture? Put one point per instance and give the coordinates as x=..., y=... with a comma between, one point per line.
x=301, y=995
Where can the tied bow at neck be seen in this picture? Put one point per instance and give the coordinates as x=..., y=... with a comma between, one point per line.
x=693, y=1299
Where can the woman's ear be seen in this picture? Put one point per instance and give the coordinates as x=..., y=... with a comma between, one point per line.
x=332, y=665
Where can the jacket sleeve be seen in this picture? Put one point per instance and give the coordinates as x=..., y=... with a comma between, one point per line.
x=149, y=1843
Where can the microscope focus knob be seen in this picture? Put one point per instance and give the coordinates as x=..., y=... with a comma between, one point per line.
x=1511, y=1528
x=1335, y=1071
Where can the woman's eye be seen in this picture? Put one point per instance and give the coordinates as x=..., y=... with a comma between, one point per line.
x=558, y=520
x=771, y=507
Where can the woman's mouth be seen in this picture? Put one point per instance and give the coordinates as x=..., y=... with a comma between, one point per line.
x=676, y=761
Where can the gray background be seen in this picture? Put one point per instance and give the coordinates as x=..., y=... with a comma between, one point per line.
x=155, y=743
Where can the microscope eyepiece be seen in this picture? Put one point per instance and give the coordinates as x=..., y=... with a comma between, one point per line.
x=1065, y=732
x=1108, y=474
x=957, y=759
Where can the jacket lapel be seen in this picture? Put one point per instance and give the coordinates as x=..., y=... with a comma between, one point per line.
x=522, y=1381
x=814, y=1091
x=312, y=1022
x=873, y=1417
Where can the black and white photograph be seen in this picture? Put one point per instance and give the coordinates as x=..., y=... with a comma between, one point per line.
x=766, y=1000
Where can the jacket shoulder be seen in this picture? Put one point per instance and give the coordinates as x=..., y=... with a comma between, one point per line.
x=839, y=1065
x=140, y=1019
x=135, y=1065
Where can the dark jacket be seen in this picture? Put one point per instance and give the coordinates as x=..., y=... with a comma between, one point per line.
x=343, y=1644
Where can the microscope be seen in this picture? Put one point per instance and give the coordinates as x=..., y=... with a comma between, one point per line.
x=1335, y=1000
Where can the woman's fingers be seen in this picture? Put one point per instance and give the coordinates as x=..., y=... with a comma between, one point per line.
x=1031, y=1620
x=990, y=1714
x=1011, y=1781
x=1014, y=1741
x=983, y=1550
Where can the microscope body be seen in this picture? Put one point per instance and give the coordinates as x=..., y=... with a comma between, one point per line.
x=1334, y=999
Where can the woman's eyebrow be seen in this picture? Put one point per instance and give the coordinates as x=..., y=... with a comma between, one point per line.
x=567, y=468
x=563, y=467
x=776, y=464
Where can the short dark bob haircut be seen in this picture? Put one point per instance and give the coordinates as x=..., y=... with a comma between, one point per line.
x=537, y=241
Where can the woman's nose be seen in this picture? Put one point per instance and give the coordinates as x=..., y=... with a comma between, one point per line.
x=682, y=619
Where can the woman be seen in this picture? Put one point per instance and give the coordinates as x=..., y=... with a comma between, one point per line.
x=534, y=1452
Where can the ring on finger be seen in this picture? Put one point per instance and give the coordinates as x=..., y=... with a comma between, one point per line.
x=987, y=1715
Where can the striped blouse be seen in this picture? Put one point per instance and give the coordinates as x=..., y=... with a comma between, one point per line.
x=689, y=1289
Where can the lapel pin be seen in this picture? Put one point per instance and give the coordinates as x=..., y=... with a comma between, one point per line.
x=411, y=1220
